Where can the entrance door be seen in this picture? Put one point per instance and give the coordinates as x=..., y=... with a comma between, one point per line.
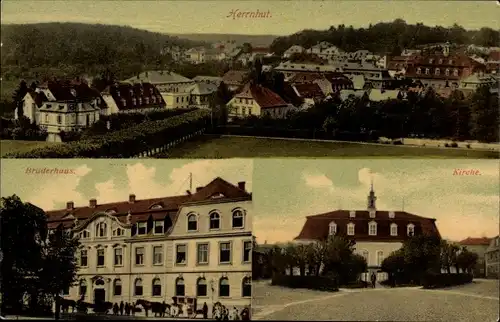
x=99, y=295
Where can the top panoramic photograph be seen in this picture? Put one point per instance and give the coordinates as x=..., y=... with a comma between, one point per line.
x=250, y=79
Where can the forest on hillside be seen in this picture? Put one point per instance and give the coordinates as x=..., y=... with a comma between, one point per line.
x=387, y=37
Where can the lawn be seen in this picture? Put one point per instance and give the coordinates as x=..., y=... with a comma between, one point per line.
x=250, y=147
x=8, y=146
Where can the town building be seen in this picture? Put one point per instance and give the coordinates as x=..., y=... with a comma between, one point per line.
x=62, y=106
x=329, y=82
x=235, y=79
x=295, y=49
x=493, y=62
x=478, y=246
x=289, y=69
x=201, y=93
x=207, y=80
x=377, y=233
x=311, y=94
x=492, y=258
x=471, y=83
x=132, y=98
x=377, y=77
x=192, y=246
x=258, y=100
x=319, y=48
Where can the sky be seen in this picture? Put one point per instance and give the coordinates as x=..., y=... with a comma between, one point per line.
x=288, y=190
x=111, y=181
x=285, y=17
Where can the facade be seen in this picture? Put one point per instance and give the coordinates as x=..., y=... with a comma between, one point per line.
x=492, y=258
x=235, y=79
x=132, y=98
x=478, y=246
x=62, y=106
x=201, y=93
x=196, y=245
x=377, y=233
x=295, y=49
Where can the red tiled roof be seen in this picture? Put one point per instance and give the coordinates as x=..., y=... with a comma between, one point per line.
x=235, y=77
x=475, y=241
x=338, y=79
x=265, y=97
x=305, y=77
x=494, y=56
x=145, y=94
x=309, y=90
x=317, y=227
x=140, y=210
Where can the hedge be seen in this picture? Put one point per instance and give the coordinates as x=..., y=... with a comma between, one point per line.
x=320, y=283
x=445, y=280
x=125, y=143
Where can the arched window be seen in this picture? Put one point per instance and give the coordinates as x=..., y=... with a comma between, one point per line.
x=101, y=229
x=332, y=228
x=118, y=232
x=223, y=287
x=394, y=229
x=447, y=72
x=85, y=234
x=455, y=72
x=238, y=219
x=138, y=287
x=99, y=282
x=192, y=223
x=156, y=287
x=410, y=230
x=214, y=220
x=246, y=287
x=372, y=228
x=179, y=287
x=117, y=287
x=201, y=287
x=419, y=70
x=82, y=290
x=437, y=71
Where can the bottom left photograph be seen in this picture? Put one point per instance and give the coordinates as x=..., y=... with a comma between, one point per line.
x=126, y=239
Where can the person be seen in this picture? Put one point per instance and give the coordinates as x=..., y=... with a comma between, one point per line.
x=127, y=309
x=132, y=308
x=205, y=310
x=374, y=279
x=121, y=307
x=163, y=309
x=115, y=309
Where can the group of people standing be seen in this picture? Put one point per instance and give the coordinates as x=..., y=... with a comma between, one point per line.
x=119, y=309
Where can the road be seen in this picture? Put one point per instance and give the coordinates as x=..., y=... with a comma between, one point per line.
x=473, y=302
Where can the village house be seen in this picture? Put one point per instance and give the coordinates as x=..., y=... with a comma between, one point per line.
x=195, y=247
x=235, y=79
x=195, y=55
x=478, y=246
x=201, y=93
x=377, y=233
x=289, y=69
x=295, y=49
x=471, y=83
x=258, y=100
x=62, y=106
x=493, y=62
x=319, y=48
x=376, y=76
x=492, y=258
x=132, y=98
x=311, y=94
x=330, y=82
x=207, y=80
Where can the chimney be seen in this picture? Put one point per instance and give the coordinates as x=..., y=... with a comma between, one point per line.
x=241, y=185
x=92, y=203
x=188, y=192
x=131, y=198
x=70, y=205
x=198, y=188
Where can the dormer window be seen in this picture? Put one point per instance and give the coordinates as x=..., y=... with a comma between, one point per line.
x=440, y=61
x=455, y=72
x=217, y=195
x=159, y=226
x=134, y=101
x=352, y=214
x=124, y=103
x=373, y=213
x=101, y=229
x=350, y=229
x=332, y=228
x=140, y=100
x=372, y=228
x=392, y=214
x=156, y=207
x=153, y=98
x=437, y=71
x=110, y=212
x=147, y=100
x=419, y=71
x=447, y=72
x=394, y=229
x=431, y=61
x=151, y=91
x=141, y=228
x=451, y=62
x=427, y=71
x=85, y=234
x=410, y=229
x=118, y=232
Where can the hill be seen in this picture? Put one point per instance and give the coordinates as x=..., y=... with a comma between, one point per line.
x=254, y=40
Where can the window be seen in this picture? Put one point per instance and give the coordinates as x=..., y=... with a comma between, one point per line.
x=141, y=228
x=440, y=61
x=192, y=223
x=419, y=71
x=431, y=61
x=410, y=230
x=214, y=220
x=332, y=228
x=100, y=257
x=47, y=117
x=59, y=119
x=247, y=251
x=437, y=71
x=365, y=255
x=223, y=287
x=118, y=232
x=394, y=230
x=225, y=252
x=157, y=255
x=451, y=62
x=138, y=287
x=118, y=256
x=201, y=287
x=373, y=213
x=156, y=287
x=139, y=256
x=117, y=287
x=179, y=287
x=177, y=100
x=237, y=219
x=427, y=71
x=249, y=111
x=180, y=254
x=350, y=229
x=455, y=72
x=372, y=229
x=101, y=229
x=83, y=258
x=82, y=289
x=352, y=214
x=246, y=287
x=380, y=257
x=447, y=72
x=159, y=225
x=392, y=214
x=202, y=254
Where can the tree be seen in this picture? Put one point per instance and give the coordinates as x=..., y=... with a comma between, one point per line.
x=422, y=254
x=484, y=115
x=246, y=48
x=448, y=255
x=466, y=260
x=395, y=266
x=18, y=98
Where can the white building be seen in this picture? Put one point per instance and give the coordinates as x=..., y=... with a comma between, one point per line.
x=295, y=49
x=132, y=98
x=192, y=246
x=62, y=106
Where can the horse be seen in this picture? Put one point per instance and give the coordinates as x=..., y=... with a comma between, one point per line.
x=66, y=304
x=156, y=307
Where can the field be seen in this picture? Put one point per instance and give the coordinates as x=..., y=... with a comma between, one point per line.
x=250, y=147
x=8, y=146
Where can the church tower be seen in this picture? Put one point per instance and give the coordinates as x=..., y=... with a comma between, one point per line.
x=372, y=199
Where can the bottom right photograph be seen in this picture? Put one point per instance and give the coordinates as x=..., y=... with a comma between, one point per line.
x=376, y=240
